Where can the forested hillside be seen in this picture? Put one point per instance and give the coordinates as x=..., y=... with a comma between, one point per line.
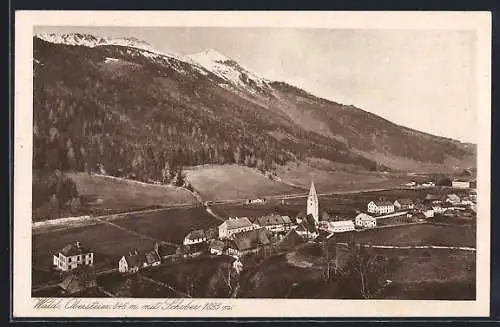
x=145, y=116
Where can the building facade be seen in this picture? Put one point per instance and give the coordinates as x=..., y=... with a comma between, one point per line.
x=73, y=256
x=234, y=226
x=380, y=207
x=365, y=221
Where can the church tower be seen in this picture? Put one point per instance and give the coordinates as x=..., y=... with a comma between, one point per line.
x=312, y=203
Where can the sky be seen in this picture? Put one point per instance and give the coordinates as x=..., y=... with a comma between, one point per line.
x=422, y=79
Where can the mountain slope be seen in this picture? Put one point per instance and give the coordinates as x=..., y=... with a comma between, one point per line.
x=120, y=106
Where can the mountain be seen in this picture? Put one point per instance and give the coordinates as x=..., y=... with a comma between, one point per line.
x=120, y=106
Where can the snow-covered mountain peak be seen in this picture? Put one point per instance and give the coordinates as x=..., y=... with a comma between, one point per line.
x=228, y=69
x=209, y=55
x=92, y=41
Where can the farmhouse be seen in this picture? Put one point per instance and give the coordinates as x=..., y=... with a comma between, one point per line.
x=73, y=256
x=274, y=223
x=248, y=241
x=216, y=247
x=340, y=226
x=403, y=204
x=307, y=227
x=152, y=258
x=380, y=207
x=195, y=236
x=233, y=226
x=460, y=184
x=365, y=221
x=453, y=199
x=131, y=263
x=80, y=279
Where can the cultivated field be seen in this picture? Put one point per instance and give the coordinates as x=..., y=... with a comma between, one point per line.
x=420, y=234
x=111, y=242
x=169, y=225
x=103, y=194
x=232, y=182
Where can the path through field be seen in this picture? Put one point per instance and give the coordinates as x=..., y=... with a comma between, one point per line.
x=136, y=233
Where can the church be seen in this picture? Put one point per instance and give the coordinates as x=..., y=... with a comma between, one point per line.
x=313, y=203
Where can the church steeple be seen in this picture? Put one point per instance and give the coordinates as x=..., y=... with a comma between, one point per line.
x=312, y=203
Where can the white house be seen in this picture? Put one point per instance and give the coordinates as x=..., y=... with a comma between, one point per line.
x=275, y=223
x=72, y=256
x=131, y=263
x=195, y=236
x=365, y=221
x=460, y=184
x=235, y=225
x=216, y=247
x=380, y=207
x=428, y=213
x=340, y=226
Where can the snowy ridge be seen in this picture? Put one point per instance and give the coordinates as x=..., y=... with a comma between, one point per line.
x=91, y=41
x=228, y=69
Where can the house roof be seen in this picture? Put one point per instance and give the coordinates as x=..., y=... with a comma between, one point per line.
x=309, y=223
x=212, y=233
x=234, y=223
x=251, y=239
x=196, y=234
x=217, y=245
x=453, y=197
x=292, y=238
x=152, y=257
x=286, y=219
x=404, y=201
x=363, y=216
x=164, y=250
x=74, y=249
x=135, y=260
x=195, y=248
x=270, y=220
x=341, y=223
x=81, y=278
x=382, y=203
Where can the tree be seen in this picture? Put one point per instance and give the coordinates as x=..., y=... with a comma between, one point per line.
x=366, y=271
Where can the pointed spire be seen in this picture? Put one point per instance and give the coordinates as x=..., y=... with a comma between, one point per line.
x=312, y=190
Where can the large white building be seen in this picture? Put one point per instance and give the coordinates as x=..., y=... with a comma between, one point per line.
x=72, y=256
x=313, y=203
x=365, y=221
x=235, y=225
x=460, y=184
x=380, y=207
x=340, y=226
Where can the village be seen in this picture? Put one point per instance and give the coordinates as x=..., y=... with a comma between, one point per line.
x=237, y=237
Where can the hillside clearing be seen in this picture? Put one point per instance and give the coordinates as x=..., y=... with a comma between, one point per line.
x=109, y=194
x=232, y=182
x=331, y=177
